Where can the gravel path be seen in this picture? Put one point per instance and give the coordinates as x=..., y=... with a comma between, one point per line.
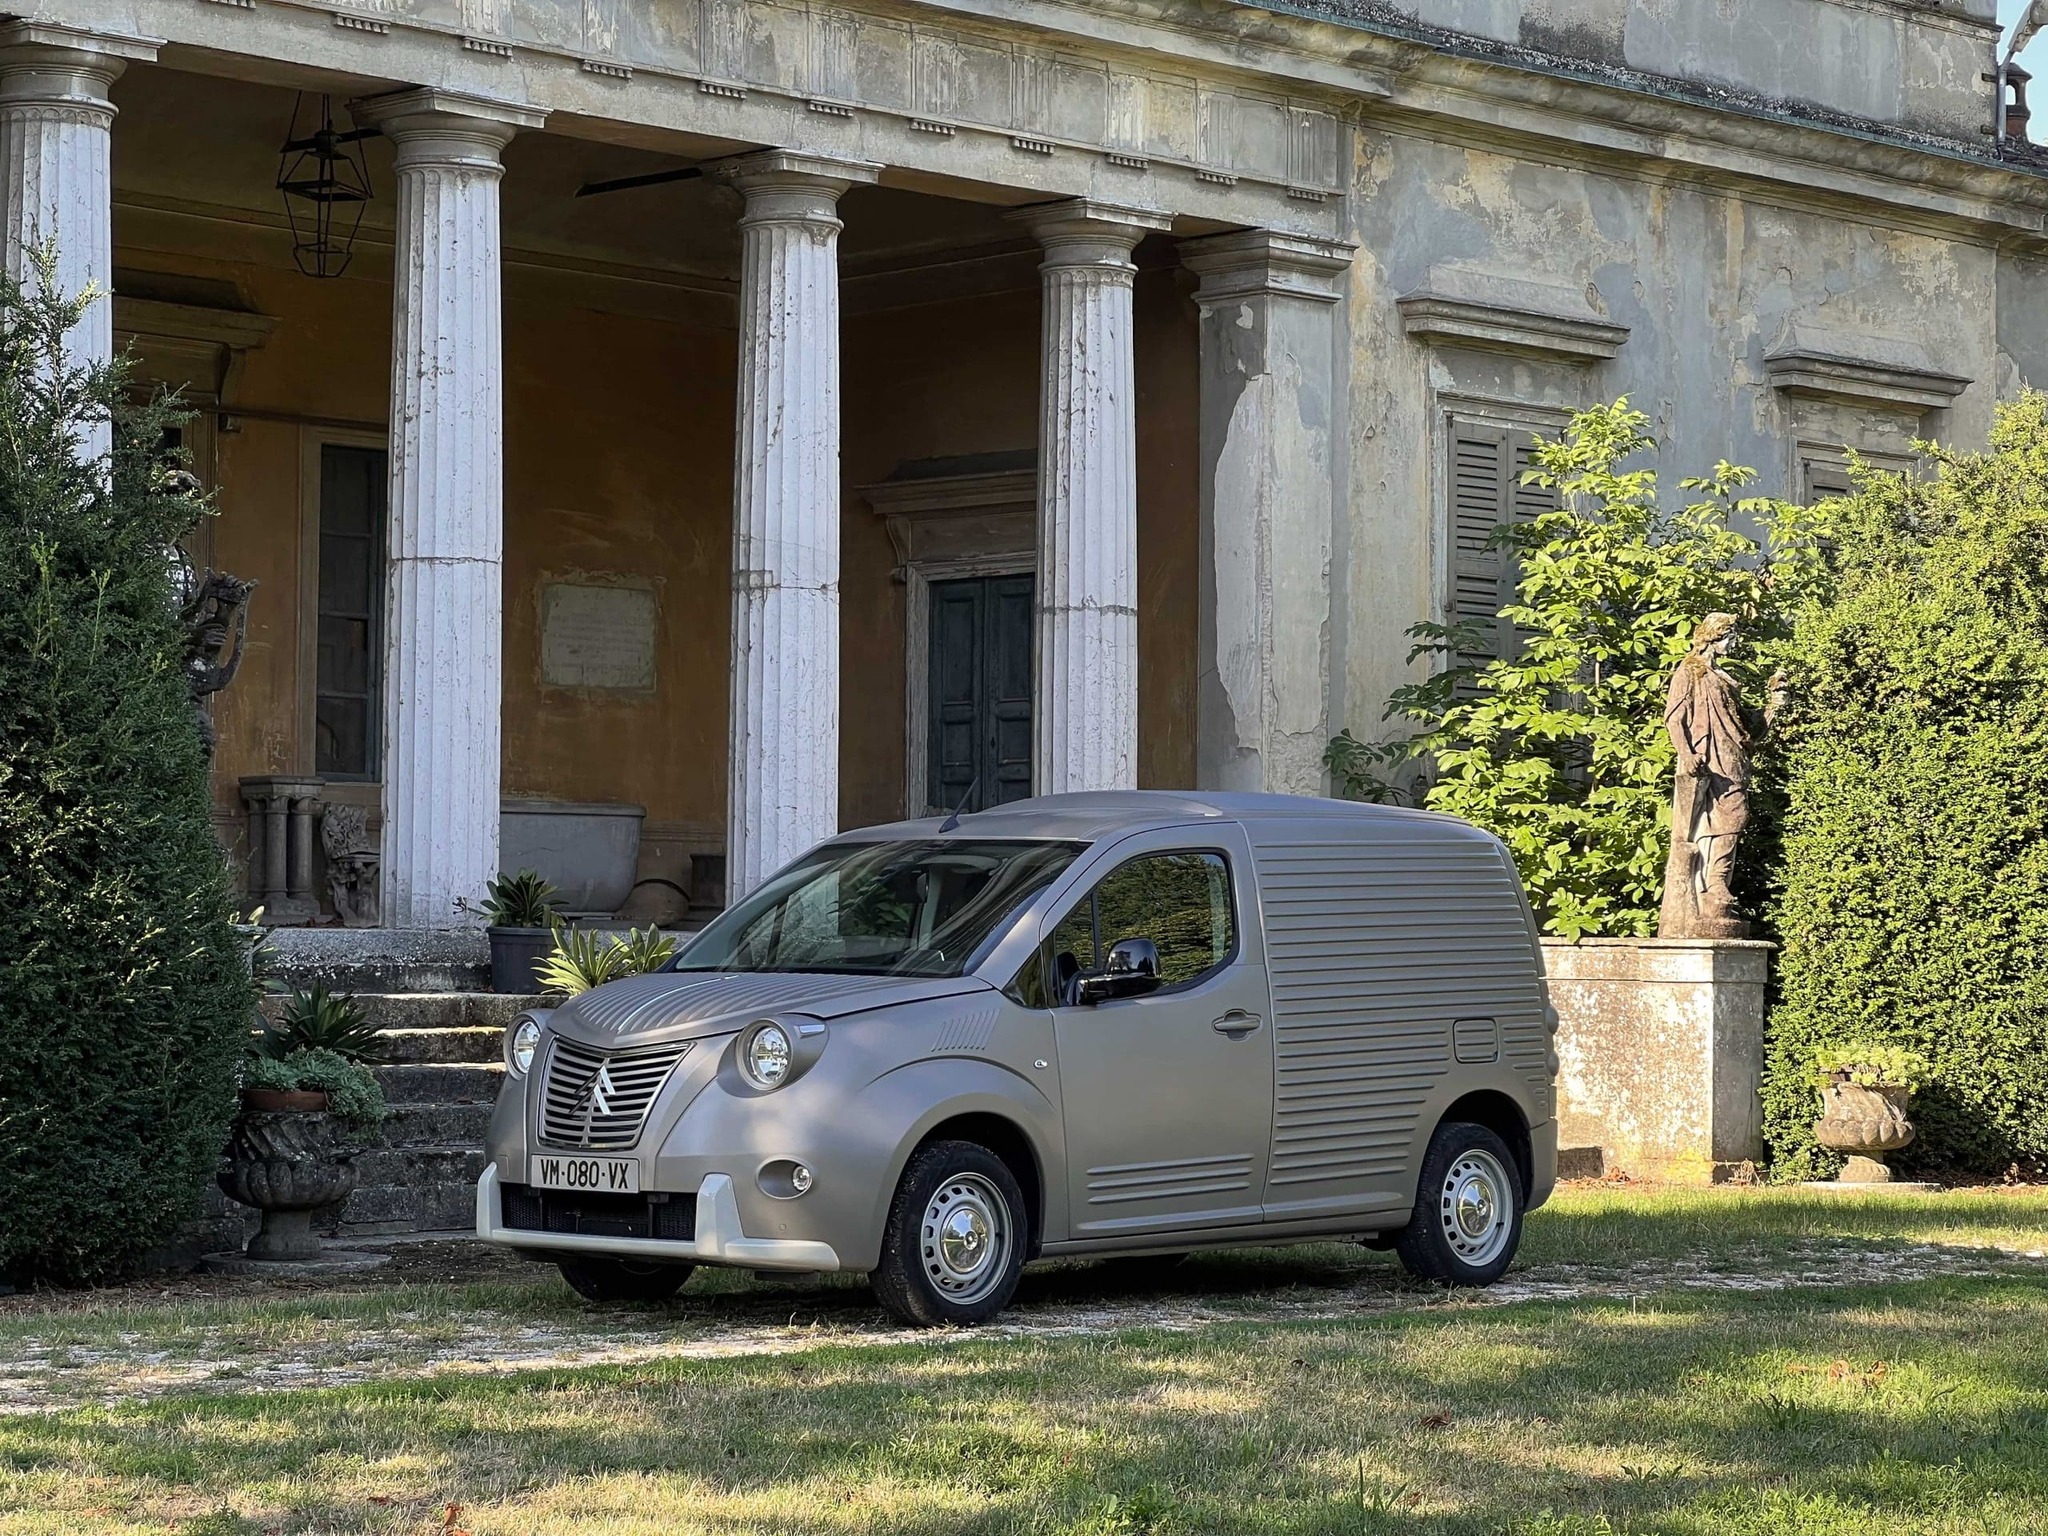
x=56, y=1356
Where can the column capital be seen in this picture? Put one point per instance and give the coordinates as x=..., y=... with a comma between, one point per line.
x=1081, y=232
x=792, y=185
x=1245, y=263
x=51, y=64
x=431, y=126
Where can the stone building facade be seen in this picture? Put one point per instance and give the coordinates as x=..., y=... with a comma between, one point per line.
x=1001, y=395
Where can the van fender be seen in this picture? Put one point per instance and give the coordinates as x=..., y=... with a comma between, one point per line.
x=923, y=1095
x=1525, y=1143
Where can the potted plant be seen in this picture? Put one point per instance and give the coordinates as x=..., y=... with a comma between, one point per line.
x=1864, y=1089
x=520, y=910
x=309, y=1101
x=584, y=958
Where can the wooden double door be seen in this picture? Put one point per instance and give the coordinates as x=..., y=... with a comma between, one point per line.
x=978, y=730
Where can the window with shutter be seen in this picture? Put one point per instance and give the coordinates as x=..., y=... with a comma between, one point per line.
x=1487, y=464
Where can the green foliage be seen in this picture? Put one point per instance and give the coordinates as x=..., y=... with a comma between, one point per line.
x=351, y=1089
x=523, y=900
x=1870, y=1064
x=586, y=958
x=1914, y=902
x=126, y=998
x=1561, y=751
x=325, y=1021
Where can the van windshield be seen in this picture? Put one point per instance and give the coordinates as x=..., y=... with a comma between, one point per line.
x=913, y=908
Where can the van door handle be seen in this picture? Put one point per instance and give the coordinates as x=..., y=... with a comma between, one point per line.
x=1237, y=1023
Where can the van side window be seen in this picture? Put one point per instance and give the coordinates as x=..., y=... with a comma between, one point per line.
x=1180, y=901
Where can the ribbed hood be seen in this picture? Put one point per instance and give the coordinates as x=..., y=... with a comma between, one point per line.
x=689, y=1005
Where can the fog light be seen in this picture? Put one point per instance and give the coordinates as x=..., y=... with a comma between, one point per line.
x=784, y=1179
x=800, y=1179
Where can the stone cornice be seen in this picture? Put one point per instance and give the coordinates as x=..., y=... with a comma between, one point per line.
x=1899, y=381
x=1488, y=313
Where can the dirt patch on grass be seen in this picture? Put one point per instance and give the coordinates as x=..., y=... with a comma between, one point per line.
x=234, y=1335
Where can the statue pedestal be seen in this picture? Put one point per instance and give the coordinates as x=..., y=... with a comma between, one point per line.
x=281, y=813
x=1661, y=1050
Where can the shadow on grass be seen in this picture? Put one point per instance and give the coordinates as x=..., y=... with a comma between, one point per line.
x=1918, y=1407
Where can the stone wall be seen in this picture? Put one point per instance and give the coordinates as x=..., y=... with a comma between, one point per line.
x=1661, y=1050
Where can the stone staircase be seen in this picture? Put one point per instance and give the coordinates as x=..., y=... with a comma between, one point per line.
x=443, y=1035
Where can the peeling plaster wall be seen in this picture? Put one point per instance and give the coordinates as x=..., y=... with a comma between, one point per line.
x=1909, y=63
x=1708, y=283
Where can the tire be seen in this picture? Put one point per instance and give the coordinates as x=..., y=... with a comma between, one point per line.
x=1468, y=1209
x=955, y=1242
x=607, y=1280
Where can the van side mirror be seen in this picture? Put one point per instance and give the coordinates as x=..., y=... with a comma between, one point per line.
x=1132, y=969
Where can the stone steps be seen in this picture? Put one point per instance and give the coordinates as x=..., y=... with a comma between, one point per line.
x=443, y=1037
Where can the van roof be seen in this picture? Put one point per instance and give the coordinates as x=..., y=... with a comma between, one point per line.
x=1090, y=816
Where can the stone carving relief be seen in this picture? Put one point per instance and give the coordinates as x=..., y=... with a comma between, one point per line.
x=351, y=865
x=216, y=619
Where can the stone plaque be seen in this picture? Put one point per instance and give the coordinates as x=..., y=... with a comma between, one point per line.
x=596, y=636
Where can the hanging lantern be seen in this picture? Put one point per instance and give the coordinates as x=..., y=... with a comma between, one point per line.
x=325, y=183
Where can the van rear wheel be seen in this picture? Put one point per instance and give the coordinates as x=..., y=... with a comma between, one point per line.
x=606, y=1280
x=954, y=1246
x=1468, y=1209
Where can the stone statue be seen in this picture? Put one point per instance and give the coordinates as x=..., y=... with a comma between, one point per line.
x=1710, y=806
x=351, y=865
x=216, y=619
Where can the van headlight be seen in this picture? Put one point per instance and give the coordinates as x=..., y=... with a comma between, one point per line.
x=521, y=1041
x=765, y=1055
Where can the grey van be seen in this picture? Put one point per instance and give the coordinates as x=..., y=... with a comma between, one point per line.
x=1083, y=1025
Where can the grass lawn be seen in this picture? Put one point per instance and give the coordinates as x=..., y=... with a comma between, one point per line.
x=1642, y=1385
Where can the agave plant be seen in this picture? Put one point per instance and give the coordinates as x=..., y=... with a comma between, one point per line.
x=584, y=958
x=523, y=900
x=320, y=1020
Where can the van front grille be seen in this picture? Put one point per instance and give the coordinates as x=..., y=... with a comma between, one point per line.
x=595, y=1098
x=669, y=1218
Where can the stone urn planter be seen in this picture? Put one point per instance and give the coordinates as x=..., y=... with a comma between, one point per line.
x=1864, y=1122
x=287, y=1161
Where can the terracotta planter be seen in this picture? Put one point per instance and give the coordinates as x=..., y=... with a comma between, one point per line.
x=1865, y=1123
x=303, y=1101
x=287, y=1164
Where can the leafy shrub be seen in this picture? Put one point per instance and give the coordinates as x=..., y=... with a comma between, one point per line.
x=1914, y=901
x=587, y=958
x=1561, y=751
x=352, y=1091
x=523, y=900
x=1871, y=1065
x=125, y=998
x=320, y=1020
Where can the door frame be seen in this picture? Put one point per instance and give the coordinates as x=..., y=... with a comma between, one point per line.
x=918, y=577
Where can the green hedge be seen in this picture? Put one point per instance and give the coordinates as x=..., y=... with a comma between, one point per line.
x=1913, y=904
x=124, y=995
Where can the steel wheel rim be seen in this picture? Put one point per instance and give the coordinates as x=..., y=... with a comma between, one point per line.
x=1476, y=1208
x=964, y=1238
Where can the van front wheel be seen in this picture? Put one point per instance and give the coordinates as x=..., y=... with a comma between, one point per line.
x=955, y=1241
x=1468, y=1209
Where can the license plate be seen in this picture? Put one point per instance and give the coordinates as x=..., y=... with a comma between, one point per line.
x=596, y=1175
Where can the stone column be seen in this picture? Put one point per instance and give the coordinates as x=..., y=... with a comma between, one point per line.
x=444, y=609
x=1085, y=711
x=1272, y=440
x=782, y=795
x=56, y=147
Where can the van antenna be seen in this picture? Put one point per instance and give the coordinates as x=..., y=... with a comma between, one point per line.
x=952, y=822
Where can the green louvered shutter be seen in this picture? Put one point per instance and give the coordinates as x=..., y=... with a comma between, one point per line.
x=1487, y=464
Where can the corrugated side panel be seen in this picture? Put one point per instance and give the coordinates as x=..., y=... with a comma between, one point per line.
x=1375, y=946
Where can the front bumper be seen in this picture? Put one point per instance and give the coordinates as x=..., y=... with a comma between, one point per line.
x=719, y=1238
